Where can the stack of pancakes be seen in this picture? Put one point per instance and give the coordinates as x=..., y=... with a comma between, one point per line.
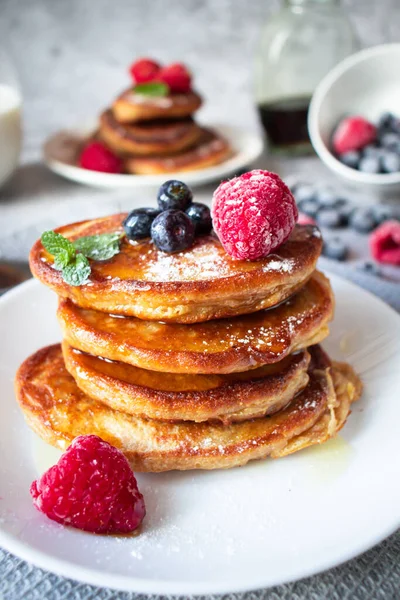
x=159, y=135
x=189, y=360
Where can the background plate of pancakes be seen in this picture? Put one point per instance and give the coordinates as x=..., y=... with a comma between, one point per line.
x=62, y=150
x=227, y=530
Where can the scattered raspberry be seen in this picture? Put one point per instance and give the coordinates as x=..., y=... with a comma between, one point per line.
x=92, y=488
x=353, y=133
x=384, y=243
x=177, y=77
x=97, y=157
x=144, y=70
x=253, y=214
x=304, y=219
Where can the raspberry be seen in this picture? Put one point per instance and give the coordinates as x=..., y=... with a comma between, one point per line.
x=92, y=488
x=253, y=214
x=384, y=243
x=304, y=219
x=353, y=133
x=97, y=157
x=177, y=77
x=144, y=70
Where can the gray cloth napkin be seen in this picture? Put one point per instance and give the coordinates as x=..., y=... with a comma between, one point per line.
x=374, y=575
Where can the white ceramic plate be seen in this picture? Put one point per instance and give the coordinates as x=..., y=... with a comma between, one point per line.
x=247, y=147
x=222, y=531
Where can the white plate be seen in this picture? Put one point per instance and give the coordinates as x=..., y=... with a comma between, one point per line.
x=247, y=147
x=222, y=531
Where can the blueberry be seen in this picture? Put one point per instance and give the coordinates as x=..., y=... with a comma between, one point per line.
x=350, y=159
x=174, y=194
x=345, y=211
x=329, y=217
x=200, y=215
x=304, y=192
x=385, y=121
x=309, y=207
x=390, y=162
x=363, y=220
x=370, y=164
x=172, y=231
x=382, y=213
x=371, y=150
x=137, y=224
x=369, y=267
x=390, y=141
x=326, y=197
x=335, y=249
x=395, y=125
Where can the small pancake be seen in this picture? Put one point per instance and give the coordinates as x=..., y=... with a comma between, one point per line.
x=210, y=149
x=148, y=138
x=192, y=286
x=223, y=346
x=58, y=411
x=131, y=107
x=175, y=397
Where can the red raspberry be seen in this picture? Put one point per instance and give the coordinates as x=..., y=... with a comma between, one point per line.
x=353, y=133
x=144, y=70
x=384, y=243
x=253, y=214
x=177, y=77
x=92, y=488
x=97, y=157
x=305, y=220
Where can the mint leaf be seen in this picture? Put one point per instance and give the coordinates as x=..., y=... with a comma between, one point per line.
x=55, y=243
x=62, y=259
x=99, y=247
x=154, y=88
x=77, y=272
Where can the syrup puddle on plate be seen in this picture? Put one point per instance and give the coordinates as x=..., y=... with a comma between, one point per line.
x=329, y=460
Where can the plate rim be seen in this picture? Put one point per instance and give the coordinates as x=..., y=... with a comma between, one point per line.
x=64, y=568
x=121, y=180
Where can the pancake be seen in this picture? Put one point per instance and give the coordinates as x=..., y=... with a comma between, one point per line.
x=223, y=346
x=58, y=411
x=175, y=397
x=133, y=108
x=148, y=138
x=195, y=285
x=211, y=149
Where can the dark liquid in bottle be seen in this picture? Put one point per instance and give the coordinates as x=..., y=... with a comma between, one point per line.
x=285, y=122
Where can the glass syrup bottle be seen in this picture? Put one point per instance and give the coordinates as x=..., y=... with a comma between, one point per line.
x=299, y=45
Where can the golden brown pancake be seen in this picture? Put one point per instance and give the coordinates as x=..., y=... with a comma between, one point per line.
x=149, y=138
x=130, y=107
x=177, y=397
x=58, y=411
x=192, y=286
x=222, y=346
x=210, y=149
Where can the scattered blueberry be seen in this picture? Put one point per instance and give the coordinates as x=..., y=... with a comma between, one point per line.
x=309, y=207
x=335, y=249
x=369, y=267
x=304, y=193
x=382, y=213
x=370, y=164
x=174, y=194
x=172, y=231
x=137, y=224
x=390, y=140
x=390, y=162
x=350, y=159
x=362, y=220
x=329, y=217
x=327, y=198
x=346, y=210
x=200, y=215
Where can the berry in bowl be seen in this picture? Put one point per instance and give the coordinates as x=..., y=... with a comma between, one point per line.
x=354, y=120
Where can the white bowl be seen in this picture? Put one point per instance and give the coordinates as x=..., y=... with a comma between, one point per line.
x=368, y=84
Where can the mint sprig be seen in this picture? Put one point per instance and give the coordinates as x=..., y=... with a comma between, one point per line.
x=71, y=258
x=153, y=88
